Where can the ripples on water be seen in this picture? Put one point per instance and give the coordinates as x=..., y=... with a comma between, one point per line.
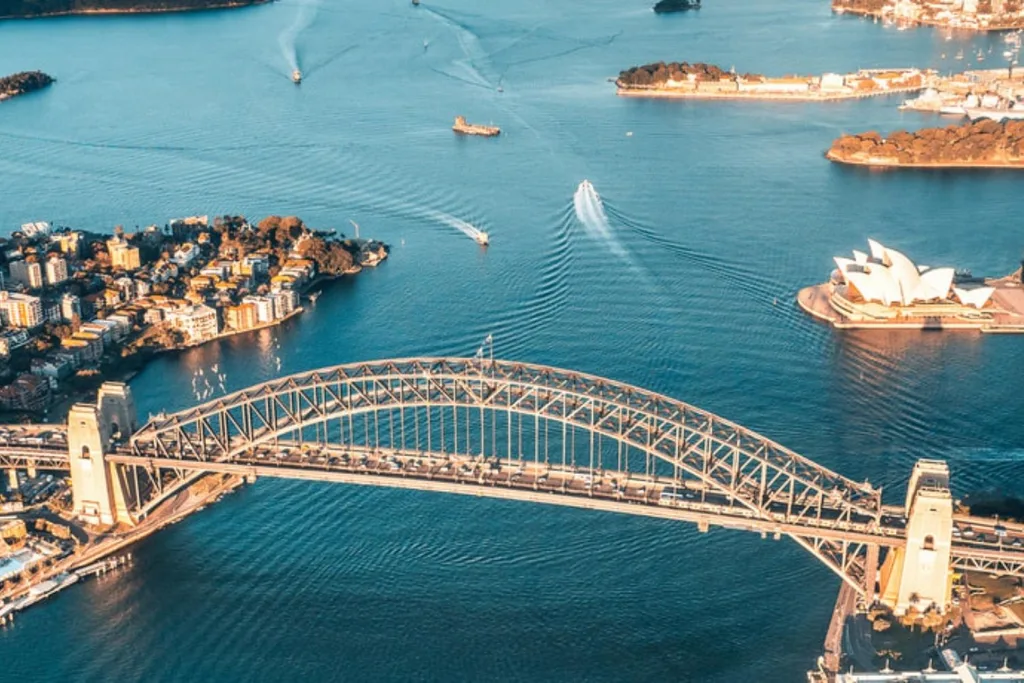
x=711, y=216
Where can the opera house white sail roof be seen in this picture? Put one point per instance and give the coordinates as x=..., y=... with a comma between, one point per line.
x=888, y=277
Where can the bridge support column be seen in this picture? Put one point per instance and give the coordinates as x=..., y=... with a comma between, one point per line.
x=31, y=471
x=12, y=480
x=98, y=493
x=919, y=574
x=871, y=574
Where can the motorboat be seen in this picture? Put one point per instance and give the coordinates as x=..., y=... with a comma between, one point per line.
x=296, y=77
x=482, y=238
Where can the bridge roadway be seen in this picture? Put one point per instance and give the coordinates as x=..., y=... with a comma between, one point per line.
x=993, y=546
x=623, y=492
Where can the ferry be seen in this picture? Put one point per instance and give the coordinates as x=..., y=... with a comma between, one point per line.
x=482, y=238
x=296, y=77
x=465, y=128
x=995, y=113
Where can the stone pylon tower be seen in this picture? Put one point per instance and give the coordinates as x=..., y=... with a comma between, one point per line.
x=919, y=575
x=94, y=429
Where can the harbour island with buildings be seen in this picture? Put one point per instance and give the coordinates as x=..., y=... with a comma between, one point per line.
x=883, y=289
x=973, y=15
x=78, y=308
x=708, y=81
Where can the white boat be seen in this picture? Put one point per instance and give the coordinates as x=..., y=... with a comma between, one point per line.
x=952, y=110
x=997, y=114
x=482, y=238
x=296, y=77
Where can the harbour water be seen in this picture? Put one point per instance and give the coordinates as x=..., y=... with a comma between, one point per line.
x=712, y=215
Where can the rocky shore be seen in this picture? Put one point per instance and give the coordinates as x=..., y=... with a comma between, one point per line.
x=984, y=144
x=29, y=9
x=23, y=82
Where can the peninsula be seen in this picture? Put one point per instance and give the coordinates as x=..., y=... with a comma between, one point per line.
x=27, y=9
x=708, y=81
x=882, y=289
x=974, y=15
x=80, y=308
x=982, y=144
x=23, y=82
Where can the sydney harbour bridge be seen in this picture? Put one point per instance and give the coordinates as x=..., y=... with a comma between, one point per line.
x=529, y=433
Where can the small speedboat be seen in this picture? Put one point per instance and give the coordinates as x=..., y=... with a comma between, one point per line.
x=296, y=77
x=482, y=238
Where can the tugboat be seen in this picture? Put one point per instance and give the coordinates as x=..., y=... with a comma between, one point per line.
x=482, y=238
x=296, y=77
x=665, y=6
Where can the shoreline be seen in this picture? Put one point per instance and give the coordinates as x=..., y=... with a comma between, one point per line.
x=878, y=14
x=679, y=94
x=938, y=165
x=230, y=4
x=106, y=545
x=816, y=301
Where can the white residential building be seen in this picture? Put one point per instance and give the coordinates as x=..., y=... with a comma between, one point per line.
x=198, y=323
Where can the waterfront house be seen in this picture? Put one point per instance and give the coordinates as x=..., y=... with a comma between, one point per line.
x=241, y=317
x=185, y=228
x=285, y=301
x=35, y=230
x=197, y=323
x=264, y=307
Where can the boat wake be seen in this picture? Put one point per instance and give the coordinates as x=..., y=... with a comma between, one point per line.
x=288, y=38
x=467, y=229
x=590, y=213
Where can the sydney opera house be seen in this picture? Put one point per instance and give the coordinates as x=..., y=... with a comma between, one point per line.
x=882, y=288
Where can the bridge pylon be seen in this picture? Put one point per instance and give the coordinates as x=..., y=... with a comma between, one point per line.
x=919, y=574
x=98, y=492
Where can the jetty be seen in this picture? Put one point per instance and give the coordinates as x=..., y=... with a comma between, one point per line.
x=463, y=127
x=708, y=81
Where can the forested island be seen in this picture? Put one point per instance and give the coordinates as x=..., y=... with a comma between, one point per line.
x=25, y=9
x=660, y=73
x=985, y=144
x=24, y=82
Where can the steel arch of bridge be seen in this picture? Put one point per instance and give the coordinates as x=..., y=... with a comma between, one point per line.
x=662, y=437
